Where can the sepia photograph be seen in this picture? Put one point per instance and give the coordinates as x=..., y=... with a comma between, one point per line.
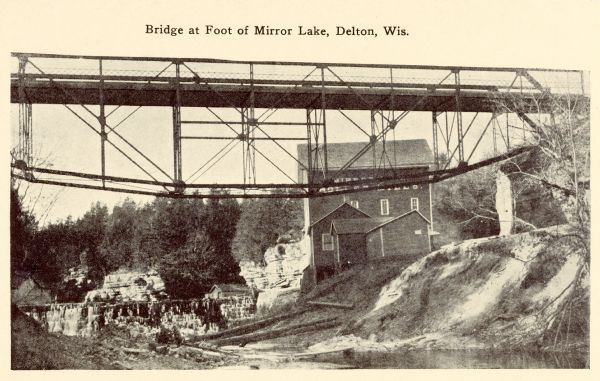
x=192, y=210
x=376, y=210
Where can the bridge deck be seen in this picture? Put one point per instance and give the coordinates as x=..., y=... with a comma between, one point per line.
x=283, y=94
x=146, y=81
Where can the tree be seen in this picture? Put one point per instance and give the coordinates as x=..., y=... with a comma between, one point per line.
x=220, y=219
x=119, y=243
x=262, y=222
x=469, y=201
x=191, y=267
x=22, y=230
x=90, y=230
x=55, y=249
x=560, y=163
x=195, y=268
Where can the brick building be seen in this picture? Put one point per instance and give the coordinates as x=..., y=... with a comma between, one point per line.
x=351, y=228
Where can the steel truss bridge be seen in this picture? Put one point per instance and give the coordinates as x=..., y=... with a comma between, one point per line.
x=92, y=88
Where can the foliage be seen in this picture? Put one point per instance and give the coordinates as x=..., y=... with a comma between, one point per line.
x=72, y=291
x=22, y=229
x=262, y=222
x=90, y=231
x=188, y=241
x=469, y=201
x=197, y=266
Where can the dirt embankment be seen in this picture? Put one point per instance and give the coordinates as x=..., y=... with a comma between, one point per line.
x=517, y=291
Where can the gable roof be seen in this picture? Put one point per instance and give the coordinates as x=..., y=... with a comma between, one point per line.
x=344, y=204
x=401, y=153
x=230, y=287
x=357, y=225
x=367, y=225
x=18, y=277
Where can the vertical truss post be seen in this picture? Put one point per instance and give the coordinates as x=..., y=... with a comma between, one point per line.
x=372, y=139
x=323, y=123
x=494, y=138
x=447, y=138
x=249, y=124
x=384, y=130
x=507, y=133
x=244, y=115
x=435, y=126
x=393, y=116
x=102, y=121
x=309, y=162
x=461, y=153
x=316, y=146
x=177, y=165
x=25, y=118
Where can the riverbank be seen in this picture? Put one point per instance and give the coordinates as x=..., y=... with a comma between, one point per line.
x=519, y=301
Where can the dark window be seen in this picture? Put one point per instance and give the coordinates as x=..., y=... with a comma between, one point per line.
x=385, y=207
x=414, y=203
x=326, y=242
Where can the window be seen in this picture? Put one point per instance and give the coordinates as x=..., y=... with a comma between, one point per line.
x=327, y=242
x=415, y=186
x=385, y=207
x=414, y=203
x=354, y=203
x=418, y=232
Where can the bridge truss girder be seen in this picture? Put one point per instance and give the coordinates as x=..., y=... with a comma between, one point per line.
x=322, y=89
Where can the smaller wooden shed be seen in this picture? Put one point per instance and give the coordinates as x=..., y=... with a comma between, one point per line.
x=226, y=290
x=27, y=290
x=361, y=239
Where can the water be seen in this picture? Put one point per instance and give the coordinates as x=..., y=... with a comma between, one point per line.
x=452, y=359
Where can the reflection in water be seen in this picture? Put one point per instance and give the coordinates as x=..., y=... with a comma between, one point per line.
x=445, y=359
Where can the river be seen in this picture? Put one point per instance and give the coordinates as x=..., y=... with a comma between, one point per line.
x=452, y=359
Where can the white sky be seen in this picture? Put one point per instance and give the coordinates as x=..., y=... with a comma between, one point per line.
x=67, y=144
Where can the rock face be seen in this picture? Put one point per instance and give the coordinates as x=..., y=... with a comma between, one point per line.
x=284, y=264
x=278, y=281
x=129, y=286
x=504, y=203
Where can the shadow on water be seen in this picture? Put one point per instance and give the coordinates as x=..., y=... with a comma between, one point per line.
x=470, y=359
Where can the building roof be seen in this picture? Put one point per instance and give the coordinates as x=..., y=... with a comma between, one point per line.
x=366, y=225
x=358, y=225
x=231, y=287
x=401, y=153
x=344, y=204
x=18, y=277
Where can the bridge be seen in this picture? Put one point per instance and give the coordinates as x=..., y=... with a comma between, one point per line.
x=93, y=88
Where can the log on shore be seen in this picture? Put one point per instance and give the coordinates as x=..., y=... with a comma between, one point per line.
x=316, y=354
x=331, y=304
x=205, y=349
x=279, y=332
x=247, y=328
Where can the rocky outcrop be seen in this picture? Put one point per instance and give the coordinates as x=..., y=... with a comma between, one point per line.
x=504, y=203
x=129, y=286
x=278, y=281
x=284, y=265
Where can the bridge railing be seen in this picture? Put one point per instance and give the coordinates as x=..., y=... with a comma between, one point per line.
x=282, y=73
